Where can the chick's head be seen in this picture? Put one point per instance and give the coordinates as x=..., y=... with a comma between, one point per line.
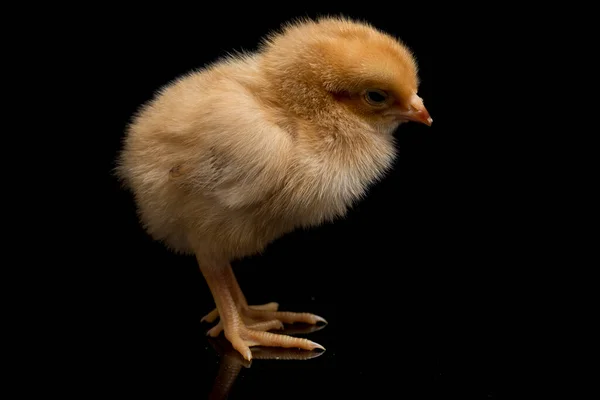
x=341, y=68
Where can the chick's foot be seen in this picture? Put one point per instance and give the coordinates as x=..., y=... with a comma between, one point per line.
x=214, y=314
x=265, y=318
x=242, y=338
x=245, y=326
x=284, y=316
x=257, y=326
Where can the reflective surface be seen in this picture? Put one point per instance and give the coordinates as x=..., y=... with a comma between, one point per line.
x=231, y=362
x=414, y=356
x=417, y=283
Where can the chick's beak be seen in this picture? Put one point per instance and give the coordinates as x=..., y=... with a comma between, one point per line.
x=416, y=112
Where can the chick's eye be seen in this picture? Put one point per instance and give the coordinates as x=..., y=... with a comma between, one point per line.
x=376, y=97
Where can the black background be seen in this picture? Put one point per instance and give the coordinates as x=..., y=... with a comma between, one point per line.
x=418, y=283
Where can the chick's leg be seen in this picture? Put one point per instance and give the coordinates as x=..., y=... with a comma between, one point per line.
x=242, y=306
x=242, y=336
x=259, y=317
x=239, y=298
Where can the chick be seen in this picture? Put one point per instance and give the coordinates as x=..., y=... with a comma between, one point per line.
x=228, y=158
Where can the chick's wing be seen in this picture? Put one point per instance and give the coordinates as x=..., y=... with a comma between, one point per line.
x=244, y=170
x=243, y=157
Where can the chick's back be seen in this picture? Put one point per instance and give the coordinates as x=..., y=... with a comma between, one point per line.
x=202, y=159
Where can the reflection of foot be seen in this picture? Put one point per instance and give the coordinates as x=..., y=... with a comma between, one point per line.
x=275, y=353
x=230, y=356
x=301, y=329
x=231, y=362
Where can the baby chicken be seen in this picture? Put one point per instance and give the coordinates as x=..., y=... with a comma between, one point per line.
x=226, y=159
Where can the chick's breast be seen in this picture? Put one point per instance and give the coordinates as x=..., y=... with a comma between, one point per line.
x=203, y=159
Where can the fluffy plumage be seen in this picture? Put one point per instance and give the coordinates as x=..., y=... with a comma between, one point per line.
x=228, y=158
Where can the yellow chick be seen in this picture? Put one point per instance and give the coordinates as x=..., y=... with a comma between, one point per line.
x=226, y=159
